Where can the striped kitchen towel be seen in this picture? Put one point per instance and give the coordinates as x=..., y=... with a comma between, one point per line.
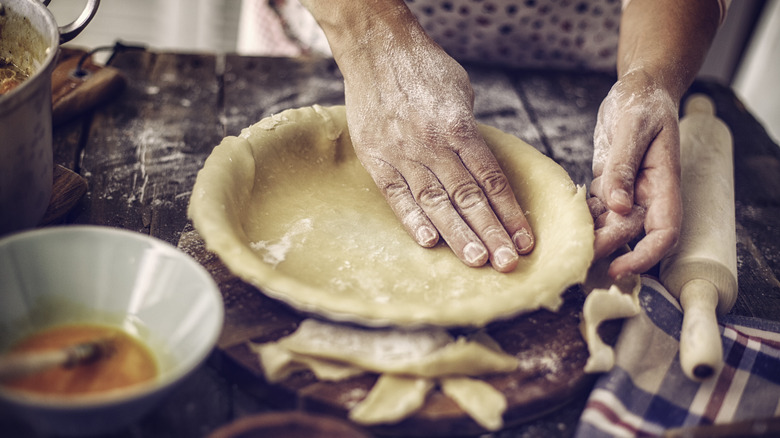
x=646, y=393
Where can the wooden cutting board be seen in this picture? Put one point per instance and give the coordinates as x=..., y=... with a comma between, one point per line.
x=75, y=90
x=67, y=189
x=549, y=346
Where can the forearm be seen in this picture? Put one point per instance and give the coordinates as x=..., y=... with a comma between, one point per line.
x=667, y=39
x=362, y=31
x=387, y=58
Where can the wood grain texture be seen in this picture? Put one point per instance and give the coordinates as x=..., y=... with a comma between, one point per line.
x=144, y=149
x=79, y=85
x=289, y=425
x=67, y=191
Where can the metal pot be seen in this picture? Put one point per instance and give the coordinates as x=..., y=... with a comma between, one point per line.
x=30, y=39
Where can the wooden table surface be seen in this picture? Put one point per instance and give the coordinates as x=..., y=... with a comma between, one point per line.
x=140, y=154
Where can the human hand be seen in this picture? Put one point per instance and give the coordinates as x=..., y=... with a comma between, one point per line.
x=410, y=115
x=636, y=170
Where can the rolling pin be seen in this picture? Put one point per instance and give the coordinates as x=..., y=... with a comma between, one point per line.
x=701, y=271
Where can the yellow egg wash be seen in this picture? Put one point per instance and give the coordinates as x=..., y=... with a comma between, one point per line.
x=129, y=363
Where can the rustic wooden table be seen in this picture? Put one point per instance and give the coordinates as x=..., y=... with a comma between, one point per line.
x=140, y=154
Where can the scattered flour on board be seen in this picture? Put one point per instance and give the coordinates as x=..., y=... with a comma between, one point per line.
x=550, y=362
x=274, y=252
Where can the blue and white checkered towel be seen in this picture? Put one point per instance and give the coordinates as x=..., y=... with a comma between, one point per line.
x=647, y=393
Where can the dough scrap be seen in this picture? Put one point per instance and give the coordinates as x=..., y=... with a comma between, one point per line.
x=421, y=353
x=392, y=399
x=484, y=403
x=373, y=348
x=409, y=363
x=606, y=299
x=279, y=363
x=289, y=209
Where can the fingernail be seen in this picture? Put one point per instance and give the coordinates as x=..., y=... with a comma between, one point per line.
x=474, y=253
x=504, y=256
x=621, y=197
x=426, y=236
x=523, y=241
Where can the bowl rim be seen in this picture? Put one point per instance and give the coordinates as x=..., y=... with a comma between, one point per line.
x=141, y=390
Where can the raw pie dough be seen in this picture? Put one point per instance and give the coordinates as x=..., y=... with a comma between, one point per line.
x=606, y=299
x=410, y=363
x=289, y=208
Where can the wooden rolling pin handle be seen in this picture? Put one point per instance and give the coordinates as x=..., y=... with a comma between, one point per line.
x=699, y=104
x=701, y=350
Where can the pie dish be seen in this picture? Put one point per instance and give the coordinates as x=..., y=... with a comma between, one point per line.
x=288, y=208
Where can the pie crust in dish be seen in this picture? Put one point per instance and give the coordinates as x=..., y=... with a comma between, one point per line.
x=288, y=208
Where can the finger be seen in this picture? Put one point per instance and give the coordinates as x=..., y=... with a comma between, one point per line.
x=647, y=252
x=435, y=201
x=471, y=203
x=398, y=196
x=483, y=166
x=423, y=207
x=595, y=186
x=466, y=200
x=601, y=143
x=596, y=207
x=614, y=230
x=622, y=164
x=662, y=223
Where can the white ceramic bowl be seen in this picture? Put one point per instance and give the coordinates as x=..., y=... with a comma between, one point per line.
x=89, y=274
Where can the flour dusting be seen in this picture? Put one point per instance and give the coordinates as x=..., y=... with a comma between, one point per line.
x=275, y=252
x=385, y=345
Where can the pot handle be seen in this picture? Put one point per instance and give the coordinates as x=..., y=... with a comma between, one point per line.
x=71, y=30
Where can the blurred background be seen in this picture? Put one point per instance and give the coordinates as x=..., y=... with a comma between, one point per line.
x=744, y=55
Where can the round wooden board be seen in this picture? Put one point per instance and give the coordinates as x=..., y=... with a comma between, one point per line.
x=549, y=345
x=293, y=424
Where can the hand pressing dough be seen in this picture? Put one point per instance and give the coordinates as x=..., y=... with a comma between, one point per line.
x=289, y=208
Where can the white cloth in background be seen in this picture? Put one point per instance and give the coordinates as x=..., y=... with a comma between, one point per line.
x=279, y=28
x=563, y=34
x=560, y=34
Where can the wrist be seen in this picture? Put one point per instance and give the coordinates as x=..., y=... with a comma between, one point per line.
x=363, y=31
x=667, y=39
x=671, y=81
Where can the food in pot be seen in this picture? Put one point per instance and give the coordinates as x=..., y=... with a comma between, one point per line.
x=10, y=76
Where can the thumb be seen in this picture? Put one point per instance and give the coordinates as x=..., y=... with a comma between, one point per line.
x=620, y=170
x=617, y=187
x=638, y=145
